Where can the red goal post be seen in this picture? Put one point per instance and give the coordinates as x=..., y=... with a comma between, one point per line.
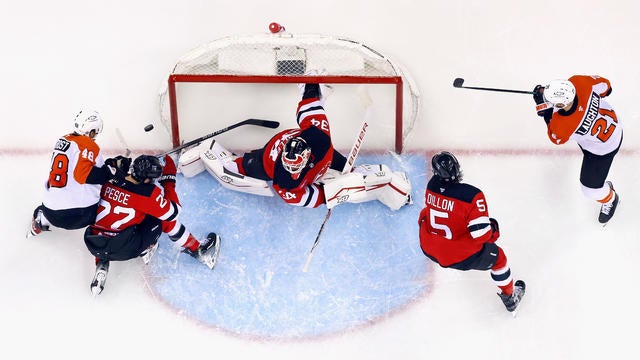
x=264, y=64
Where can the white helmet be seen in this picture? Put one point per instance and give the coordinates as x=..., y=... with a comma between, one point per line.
x=87, y=121
x=560, y=92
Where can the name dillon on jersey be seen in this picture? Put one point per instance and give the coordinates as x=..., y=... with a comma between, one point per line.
x=440, y=203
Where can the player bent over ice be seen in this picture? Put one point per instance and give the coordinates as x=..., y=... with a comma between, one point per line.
x=301, y=164
x=78, y=170
x=456, y=230
x=132, y=214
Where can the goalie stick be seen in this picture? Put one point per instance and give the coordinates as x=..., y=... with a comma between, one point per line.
x=257, y=122
x=353, y=154
x=457, y=83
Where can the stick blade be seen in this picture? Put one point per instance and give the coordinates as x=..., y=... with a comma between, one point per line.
x=458, y=82
x=264, y=123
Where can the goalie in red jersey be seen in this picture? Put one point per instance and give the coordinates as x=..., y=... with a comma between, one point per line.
x=132, y=214
x=302, y=165
x=456, y=230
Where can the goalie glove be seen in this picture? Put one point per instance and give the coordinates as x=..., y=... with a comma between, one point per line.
x=315, y=90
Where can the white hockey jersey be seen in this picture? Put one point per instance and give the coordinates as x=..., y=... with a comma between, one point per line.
x=71, y=162
x=593, y=124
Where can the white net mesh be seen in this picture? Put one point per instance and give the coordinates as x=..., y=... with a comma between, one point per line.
x=282, y=58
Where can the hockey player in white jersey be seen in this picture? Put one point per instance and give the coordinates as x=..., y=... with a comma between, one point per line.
x=575, y=109
x=72, y=190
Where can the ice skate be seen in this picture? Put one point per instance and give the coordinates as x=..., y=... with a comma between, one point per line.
x=36, y=227
x=207, y=252
x=148, y=254
x=100, y=277
x=512, y=302
x=608, y=209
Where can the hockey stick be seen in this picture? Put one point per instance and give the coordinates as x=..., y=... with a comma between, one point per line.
x=353, y=154
x=258, y=122
x=124, y=142
x=457, y=83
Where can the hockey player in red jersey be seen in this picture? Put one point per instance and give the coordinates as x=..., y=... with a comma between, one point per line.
x=575, y=109
x=296, y=161
x=456, y=230
x=132, y=214
x=78, y=170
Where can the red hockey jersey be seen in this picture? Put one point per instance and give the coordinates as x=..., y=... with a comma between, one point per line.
x=124, y=204
x=314, y=128
x=454, y=223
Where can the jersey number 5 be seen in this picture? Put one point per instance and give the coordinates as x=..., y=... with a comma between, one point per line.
x=434, y=216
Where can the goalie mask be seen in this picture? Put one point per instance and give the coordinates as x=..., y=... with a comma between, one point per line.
x=446, y=166
x=87, y=121
x=295, y=156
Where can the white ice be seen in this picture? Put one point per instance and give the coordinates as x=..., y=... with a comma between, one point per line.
x=581, y=301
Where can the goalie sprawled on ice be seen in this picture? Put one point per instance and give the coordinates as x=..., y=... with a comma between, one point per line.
x=303, y=167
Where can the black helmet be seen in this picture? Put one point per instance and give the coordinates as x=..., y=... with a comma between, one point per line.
x=146, y=167
x=295, y=155
x=446, y=166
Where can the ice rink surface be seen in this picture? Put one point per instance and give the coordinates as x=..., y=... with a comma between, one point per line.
x=369, y=293
x=580, y=301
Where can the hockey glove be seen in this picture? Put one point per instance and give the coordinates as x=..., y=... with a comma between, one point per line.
x=543, y=108
x=538, y=92
x=495, y=230
x=168, y=171
x=118, y=166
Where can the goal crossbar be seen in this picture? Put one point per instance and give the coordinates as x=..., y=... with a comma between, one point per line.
x=267, y=79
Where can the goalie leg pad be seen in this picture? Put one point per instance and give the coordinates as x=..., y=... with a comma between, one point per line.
x=344, y=188
x=397, y=192
x=189, y=162
x=393, y=189
x=214, y=164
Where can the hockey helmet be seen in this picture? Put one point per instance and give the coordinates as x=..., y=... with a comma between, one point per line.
x=446, y=166
x=87, y=121
x=560, y=93
x=146, y=167
x=295, y=155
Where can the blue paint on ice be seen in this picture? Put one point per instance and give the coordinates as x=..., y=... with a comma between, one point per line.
x=368, y=262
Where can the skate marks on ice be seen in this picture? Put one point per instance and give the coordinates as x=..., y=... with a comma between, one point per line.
x=368, y=263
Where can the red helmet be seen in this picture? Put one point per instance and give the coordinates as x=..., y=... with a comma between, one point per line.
x=295, y=156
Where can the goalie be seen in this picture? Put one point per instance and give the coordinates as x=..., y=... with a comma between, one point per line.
x=303, y=167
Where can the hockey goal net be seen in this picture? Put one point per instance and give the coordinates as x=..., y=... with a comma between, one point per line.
x=255, y=76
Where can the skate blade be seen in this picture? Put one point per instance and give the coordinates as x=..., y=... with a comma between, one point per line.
x=210, y=260
x=95, y=291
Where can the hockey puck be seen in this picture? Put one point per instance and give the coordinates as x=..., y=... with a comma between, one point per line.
x=148, y=128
